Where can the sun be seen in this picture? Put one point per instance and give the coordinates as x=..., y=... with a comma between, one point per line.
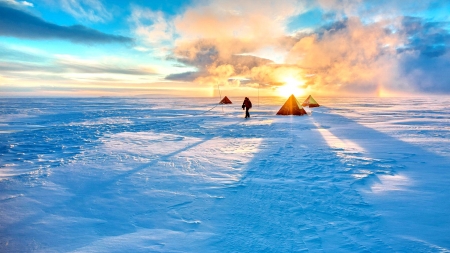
x=291, y=86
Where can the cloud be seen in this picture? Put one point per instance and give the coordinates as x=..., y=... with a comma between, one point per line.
x=20, y=24
x=15, y=3
x=86, y=10
x=9, y=54
x=339, y=55
x=7, y=67
x=216, y=63
x=360, y=47
x=20, y=65
x=246, y=20
x=425, y=58
x=59, y=70
x=354, y=56
x=185, y=76
x=221, y=38
x=376, y=10
x=428, y=37
x=76, y=65
x=427, y=74
x=151, y=26
x=27, y=3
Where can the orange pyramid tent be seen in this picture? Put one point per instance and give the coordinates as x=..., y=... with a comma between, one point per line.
x=311, y=102
x=291, y=107
x=225, y=100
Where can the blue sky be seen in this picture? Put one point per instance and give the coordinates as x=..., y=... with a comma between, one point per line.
x=187, y=48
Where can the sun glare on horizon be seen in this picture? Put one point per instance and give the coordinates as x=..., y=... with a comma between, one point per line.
x=291, y=86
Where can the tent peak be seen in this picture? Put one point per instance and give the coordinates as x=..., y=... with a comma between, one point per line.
x=225, y=100
x=310, y=102
x=291, y=107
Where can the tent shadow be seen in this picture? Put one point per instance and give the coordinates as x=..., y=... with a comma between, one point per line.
x=418, y=181
x=300, y=189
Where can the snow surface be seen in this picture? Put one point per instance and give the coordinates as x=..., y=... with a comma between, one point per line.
x=170, y=175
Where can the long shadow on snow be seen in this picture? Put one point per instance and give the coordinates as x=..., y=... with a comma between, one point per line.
x=297, y=193
x=92, y=187
x=419, y=181
x=294, y=194
x=300, y=194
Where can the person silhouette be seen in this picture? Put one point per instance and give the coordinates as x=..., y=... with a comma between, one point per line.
x=247, y=105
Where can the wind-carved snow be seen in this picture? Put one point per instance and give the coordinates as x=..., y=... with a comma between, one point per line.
x=257, y=123
x=102, y=121
x=145, y=144
x=167, y=175
x=215, y=159
x=347, y=150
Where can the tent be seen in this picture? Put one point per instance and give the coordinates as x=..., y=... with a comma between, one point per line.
x=225, y=100
x=310, y=102
x=291, y=107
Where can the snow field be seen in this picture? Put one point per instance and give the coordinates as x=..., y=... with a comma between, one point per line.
x=149, y=175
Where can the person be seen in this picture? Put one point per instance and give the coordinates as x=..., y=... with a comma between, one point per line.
x=247, y=105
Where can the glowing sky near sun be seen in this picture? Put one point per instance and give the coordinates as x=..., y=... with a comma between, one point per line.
x=189, y=48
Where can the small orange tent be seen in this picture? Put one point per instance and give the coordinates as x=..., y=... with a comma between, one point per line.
x=225, y=100
x=311, y=102
x=291, y=107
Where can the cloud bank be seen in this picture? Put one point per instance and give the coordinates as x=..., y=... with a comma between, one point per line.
x=358, y=47
x=18, y=23
x=38, y=68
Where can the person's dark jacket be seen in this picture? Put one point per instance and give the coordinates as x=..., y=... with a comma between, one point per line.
x=247, y=103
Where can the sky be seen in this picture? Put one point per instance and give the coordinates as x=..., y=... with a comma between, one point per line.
x=234, y=47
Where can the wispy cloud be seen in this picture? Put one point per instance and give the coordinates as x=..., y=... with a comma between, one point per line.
x=86, y=10
x=17, y=3
x=18, y=65
x=185, y=76
x=77, y=65
x=17, y=23
x=153, y=29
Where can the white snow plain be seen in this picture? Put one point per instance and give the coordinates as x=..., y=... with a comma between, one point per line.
x=170, y=175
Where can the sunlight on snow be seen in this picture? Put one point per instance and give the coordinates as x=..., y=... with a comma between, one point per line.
x=132, y=178
x=7, y=173
x=334, y=142
x=391, y=183
x=387, y=182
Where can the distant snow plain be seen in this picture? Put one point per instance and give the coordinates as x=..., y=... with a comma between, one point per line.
x=174, y=175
